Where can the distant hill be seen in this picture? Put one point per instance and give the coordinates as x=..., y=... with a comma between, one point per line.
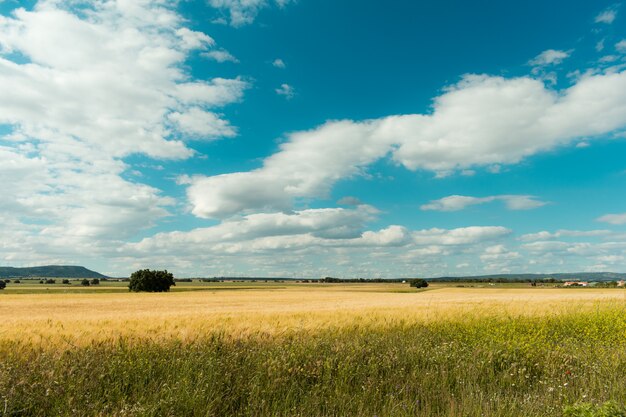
x=582, y=276
x=49, y=271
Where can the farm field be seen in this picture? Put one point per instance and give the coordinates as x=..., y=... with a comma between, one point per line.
x=288, y=349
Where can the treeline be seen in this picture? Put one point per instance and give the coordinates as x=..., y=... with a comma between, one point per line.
x=497, y=280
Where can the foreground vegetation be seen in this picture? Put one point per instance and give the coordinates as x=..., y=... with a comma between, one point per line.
x=476, y=360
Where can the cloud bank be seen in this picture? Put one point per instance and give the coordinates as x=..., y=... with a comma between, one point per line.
x=479, y=122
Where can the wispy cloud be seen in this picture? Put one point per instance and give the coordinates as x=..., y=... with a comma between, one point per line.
x=608, y=15
x=220, y=55
x=616, y=219
x=243, y=12
x=549, y=57
x=460, y=202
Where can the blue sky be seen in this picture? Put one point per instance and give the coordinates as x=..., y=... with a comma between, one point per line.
x=313, y=138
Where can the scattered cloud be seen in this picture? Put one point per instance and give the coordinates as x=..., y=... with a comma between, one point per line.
x=621, y=46
x=549, y=57
x=286, y=90
x=279, y=63
x=617, y=219
x=545, y=235
x=460, y=202
x=607, y=16
x=220, y=55
x=242, y=12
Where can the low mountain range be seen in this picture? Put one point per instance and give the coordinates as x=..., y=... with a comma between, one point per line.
x=49, y=271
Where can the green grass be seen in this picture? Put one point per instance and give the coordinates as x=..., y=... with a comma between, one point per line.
x=471, y=366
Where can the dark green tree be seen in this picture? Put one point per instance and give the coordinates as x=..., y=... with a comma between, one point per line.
x=2, y=285
x=418, y=283
x=95, y=281
x=151, y=281
x=85, y=282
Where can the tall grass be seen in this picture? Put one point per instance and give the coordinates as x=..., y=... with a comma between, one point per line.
x=471, y=366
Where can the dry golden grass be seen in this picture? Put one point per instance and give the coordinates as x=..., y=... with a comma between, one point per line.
x=68, y=320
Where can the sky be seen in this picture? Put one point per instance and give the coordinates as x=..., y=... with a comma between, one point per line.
x=310, y=138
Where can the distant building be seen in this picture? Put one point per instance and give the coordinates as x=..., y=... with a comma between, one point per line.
x=576, y=284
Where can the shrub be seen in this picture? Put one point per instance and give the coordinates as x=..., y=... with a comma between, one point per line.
x=2, y=285
x=85, y=283
x=51, y=281
x=418, y=283
x=95, y=281
x=17, y=281
x=151, y=281
x=66, y=281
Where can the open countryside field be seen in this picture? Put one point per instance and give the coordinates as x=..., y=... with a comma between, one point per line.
x=288, y=349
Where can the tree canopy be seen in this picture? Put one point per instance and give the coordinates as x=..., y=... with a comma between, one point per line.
x=151, y=281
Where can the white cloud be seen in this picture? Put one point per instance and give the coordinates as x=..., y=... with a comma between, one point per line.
x=279, y=63
x=549, y=57
x=85, y=84
x=544, y=246
x=621, y=46
x=310, y=237
x=481, y=121
x=203, y=124
x=613, y=218
x=545, y=235
x=460, y=236
x=460, y=202
x=286, y=90
x=243, y=12
x=220, y=55
x=607, y=16
x=498, y=256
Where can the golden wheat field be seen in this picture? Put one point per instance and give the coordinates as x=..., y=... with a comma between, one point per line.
x=70, y=319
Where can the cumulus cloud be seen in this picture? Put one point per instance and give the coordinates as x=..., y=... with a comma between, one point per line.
x=460, y=202
x=308, y=235
x=621, y=46
x=85, y=84
x=202, y=123
x=460, y=236
x=481, y=121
